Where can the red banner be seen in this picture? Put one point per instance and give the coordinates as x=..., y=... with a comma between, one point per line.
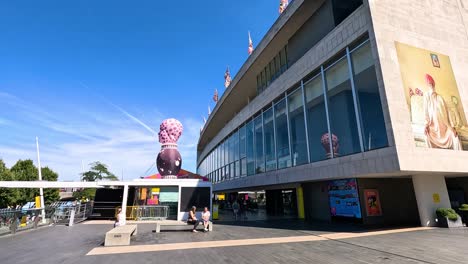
x=372, y=202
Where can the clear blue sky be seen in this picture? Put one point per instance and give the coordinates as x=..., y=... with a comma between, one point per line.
x=84, y=76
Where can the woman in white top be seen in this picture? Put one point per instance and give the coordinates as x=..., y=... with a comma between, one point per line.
x=206, y=218
x=121, y=219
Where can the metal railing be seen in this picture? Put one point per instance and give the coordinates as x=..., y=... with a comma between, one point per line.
x=13, y=220
x=147, y=212
x=69, y=214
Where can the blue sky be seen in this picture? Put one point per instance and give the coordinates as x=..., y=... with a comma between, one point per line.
x=84, y=76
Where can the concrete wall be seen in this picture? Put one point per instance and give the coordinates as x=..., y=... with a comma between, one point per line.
x=397, y=199
x=316, y=202
x=435, y=25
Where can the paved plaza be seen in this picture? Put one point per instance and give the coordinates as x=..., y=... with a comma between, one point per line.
x=239, y=242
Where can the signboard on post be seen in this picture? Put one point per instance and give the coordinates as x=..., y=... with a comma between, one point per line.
x=372, y=202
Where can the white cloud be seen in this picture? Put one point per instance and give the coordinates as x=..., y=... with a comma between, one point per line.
x=119, y=139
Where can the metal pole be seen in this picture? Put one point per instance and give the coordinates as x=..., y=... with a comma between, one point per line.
x=355, y=99
x=41, y=190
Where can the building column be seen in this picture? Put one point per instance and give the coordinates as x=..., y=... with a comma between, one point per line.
x=300, y=202
x=431, y=193
x=124, y=200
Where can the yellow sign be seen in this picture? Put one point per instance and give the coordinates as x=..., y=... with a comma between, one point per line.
x=436, y=197
x=221, y=197
x=38, y=202
x=215, y=212
x=155, y=190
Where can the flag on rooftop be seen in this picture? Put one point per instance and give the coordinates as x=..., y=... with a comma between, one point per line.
x=204, y=120
x=283, y=5
x=215, y=96
x=251, y=48
x=227, y=78
x=209, y=110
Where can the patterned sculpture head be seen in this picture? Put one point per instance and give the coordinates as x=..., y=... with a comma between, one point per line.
x=170, y=131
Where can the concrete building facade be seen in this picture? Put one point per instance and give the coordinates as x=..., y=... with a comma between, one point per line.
x=357, y=107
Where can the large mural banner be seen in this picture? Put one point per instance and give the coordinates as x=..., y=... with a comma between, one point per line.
x=437, y=116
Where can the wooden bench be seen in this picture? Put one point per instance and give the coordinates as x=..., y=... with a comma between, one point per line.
x=179, y=225
x=120, y=235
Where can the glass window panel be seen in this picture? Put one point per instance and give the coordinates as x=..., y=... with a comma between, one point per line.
x=259, y=157
x=316, y=119
x=268, y=130
x=297, y=126
x=232, y=174
x=242, y=142
x=267, y=74
x=341, y=110
x=259, y=82
x=262, y=74
x=226, y=152
x=282, y=135
x=231, y=149
x=250, y=148
x=237, y=174
x=235, y=137
x=277, y=64
x=243, y=166
x=365, y=81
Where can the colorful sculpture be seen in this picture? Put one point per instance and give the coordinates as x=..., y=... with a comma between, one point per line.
x=325, y=140
x=169, y=160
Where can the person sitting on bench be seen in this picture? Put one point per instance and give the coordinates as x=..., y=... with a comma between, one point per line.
x=192, y=219
x=206, y=218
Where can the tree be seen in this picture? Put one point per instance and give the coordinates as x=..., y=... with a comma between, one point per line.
x=50, y=195
x=24, y=170
x=8, y=196
x=98, y=171
x=85, y=194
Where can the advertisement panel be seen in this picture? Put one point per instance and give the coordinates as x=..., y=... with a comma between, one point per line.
x=344, y=198
x=372, y=202
x=437, y=116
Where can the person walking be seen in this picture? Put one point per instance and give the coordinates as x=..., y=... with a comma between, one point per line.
x=192, y=219
x=235, y=209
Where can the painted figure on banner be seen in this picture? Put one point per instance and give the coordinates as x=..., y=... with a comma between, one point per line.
x=438, y=129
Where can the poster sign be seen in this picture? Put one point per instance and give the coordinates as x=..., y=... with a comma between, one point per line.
x=437, y=116
x=372, y=202
x=436, y=198
x=344, y=198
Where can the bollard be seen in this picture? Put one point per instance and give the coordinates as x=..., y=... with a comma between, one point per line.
x=72, y=217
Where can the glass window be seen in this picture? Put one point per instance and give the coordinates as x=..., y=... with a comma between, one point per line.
x=268, y=130
x=242, y=141
x=345, y=136
x=297, y=127
x=232, y=173
x=316, y=119
x=277, y=64
x=231, y=149
x=250, y=148
x=282, y=135
x=226, y=152
x=235, y=138
x=259, y=158
x=237, y=164
x=365, y=81
x=267, y=74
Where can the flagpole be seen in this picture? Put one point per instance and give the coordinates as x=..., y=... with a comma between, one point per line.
x=41, y=190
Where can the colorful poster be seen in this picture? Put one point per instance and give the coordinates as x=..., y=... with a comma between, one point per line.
x=344, y=198
x=372, y=202
x=437, y=116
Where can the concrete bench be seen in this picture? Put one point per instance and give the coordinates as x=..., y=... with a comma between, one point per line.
x=120, y=235
x=179, y=225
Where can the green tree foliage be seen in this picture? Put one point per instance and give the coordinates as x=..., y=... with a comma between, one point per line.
x=24, y=170
x=98, y=171
x=8, y=196
x=85, y=194
x=50, y=195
